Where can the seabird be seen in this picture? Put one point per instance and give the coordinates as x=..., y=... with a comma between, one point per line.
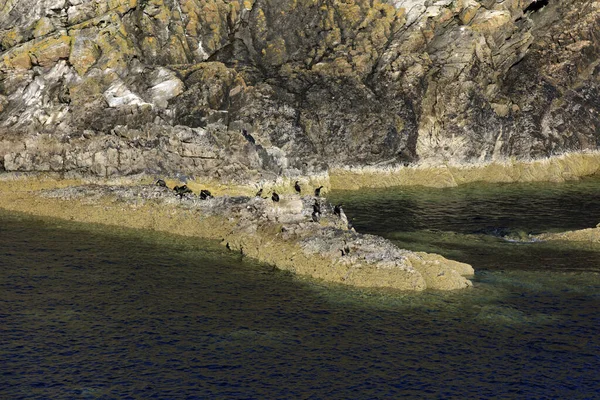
x=297, y=187
x=275, y=197
x=205, y=194
x=259, y=193
x=161, y=183
x=318, y=191
x=316, y=216
x=316, y=207
x=181, y=190
x=337, y=210
x=248, y=136
x=345, y=250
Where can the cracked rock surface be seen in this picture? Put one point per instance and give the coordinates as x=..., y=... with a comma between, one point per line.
x=123, y=87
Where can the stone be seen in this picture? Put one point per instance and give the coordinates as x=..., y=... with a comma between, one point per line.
x=319, y=86
x=43, y=27
x=48, y=52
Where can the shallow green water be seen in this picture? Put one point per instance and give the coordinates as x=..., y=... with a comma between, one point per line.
x=96, y=312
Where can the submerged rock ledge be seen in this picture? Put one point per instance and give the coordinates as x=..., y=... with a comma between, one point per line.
x=591, y=235
x=281, y=234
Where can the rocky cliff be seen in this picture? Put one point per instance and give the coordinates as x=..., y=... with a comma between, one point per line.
x=243, y=89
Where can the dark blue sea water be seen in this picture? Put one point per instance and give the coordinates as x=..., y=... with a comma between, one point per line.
x=95, y=312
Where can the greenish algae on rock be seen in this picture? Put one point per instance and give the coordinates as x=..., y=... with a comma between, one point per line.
x=282, y=234
x=570, y=166
x=591, y=235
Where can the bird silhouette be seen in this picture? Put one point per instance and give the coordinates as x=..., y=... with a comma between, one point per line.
x=297, y=187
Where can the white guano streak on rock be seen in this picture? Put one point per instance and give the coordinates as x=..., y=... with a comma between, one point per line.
x=165, y=87
x=203, y=54
x=118, y=95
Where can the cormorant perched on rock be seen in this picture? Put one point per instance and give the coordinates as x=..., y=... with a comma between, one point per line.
x=161, y=183
x=318, y=191
x=275, y=197
x=181, y=190
x=259, y=193
x=248, y=136
x=345, y=251
x=205, y=194
x=337, y=210
x=297, y=187
x=317, y=207
x=316, y=216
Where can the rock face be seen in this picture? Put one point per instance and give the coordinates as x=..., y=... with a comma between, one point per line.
x=117, y=87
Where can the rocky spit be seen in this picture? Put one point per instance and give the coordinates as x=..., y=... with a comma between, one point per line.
x=286, y=234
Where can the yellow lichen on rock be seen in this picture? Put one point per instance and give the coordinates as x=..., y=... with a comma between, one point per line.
x=274, y=53
x=11, y=38
x=84, y=52
x=43, y=27
x=45, y=52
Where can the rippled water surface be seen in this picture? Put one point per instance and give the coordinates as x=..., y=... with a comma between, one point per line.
x=96, y=312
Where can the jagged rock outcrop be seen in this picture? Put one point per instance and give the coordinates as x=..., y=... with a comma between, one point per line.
x=117, y=87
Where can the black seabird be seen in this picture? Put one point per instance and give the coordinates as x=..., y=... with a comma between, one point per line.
x=181, y=190
x=205, y=194
x=345, y=251
x=275, y=197
x=337, y=210
x=297, y=187
x=248, y=136
x=161, y=183
x=317, y=207
x=259, y=193
x=316, y=216
x=318, y=191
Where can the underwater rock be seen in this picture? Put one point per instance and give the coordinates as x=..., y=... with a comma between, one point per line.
x=582, y=235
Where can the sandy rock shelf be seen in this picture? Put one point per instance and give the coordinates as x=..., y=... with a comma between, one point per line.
x=281, y=234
